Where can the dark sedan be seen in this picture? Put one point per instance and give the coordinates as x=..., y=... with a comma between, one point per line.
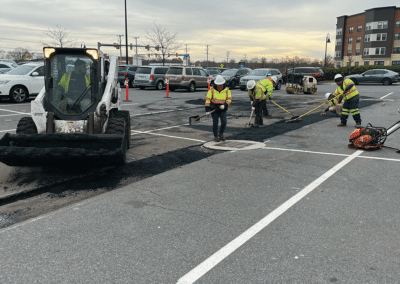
x=125, y=71
x=382, y=76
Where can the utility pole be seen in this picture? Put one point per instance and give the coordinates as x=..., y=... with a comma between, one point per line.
x=227, y=58
x=186, y=48
x=120, y=49
x=136, y=37
x=207, y=53
x=126, y=35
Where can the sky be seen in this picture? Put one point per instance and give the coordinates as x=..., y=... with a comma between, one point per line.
x=231, y=29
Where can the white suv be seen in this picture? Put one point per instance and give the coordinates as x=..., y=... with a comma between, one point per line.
x=22, y=82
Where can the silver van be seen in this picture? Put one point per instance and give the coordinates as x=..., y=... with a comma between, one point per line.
x=187, y=78
x=150, y=76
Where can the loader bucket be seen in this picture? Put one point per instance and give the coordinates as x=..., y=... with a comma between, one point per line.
x=62, y=150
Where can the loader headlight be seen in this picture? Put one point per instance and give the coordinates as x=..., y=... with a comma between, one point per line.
x=47, y=51
x=93, y=53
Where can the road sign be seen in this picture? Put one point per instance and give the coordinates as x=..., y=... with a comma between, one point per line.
x=222, y=65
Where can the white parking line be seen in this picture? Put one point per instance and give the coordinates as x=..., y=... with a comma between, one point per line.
x=165, y=111
x=386, y=96
x=148, y=131
x=7, y=130
x=128, y=104
x=196, y=273
x=14, y=111
x=170, y=136
x=10, y=114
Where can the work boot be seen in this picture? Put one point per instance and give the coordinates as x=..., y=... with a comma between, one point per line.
x=216, y=139
x=222, y=137
x=261, y=122
x=341, y=124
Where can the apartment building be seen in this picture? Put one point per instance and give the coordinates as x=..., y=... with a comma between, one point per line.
x=368, y=38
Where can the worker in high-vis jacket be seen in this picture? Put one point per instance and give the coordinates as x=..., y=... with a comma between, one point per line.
x=258, y=100
x=350, y=97
x=335, y=104
x=267, y=85
x=218, y=100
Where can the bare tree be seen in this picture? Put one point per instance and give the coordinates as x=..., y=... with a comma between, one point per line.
x=58, y=38
x=19, y=54
x=263, y=61
x=167, y=43
x=2, y=53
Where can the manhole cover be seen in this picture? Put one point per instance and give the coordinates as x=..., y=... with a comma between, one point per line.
x=234, y=145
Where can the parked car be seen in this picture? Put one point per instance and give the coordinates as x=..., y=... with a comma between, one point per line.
x=260, y=74
x=22, y=82
x=212, y=73
x=218, y=69
x=384, y=76
x=190, y=78
x=127, y=71
x=316, y=72
x=5, y=67
x=13, y=63
x=232, y=76
x=150, y=76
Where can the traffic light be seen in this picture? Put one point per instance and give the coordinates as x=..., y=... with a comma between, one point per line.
x=116, y=45
x=176, y=54
x=131, y=46
x=148, y=47
x=169, y=54
x=149, y=54
x=158, y=48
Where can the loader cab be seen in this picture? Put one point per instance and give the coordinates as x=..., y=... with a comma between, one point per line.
x=72, y=82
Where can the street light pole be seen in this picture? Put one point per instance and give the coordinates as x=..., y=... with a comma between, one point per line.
x=326, y=46
x=136, y=37
x=126, y=36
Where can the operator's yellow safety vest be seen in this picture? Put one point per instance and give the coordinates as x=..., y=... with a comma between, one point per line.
x=257, y=94
x=350, y=94
x=64, y=82
x=266, y=85
x=219, y=98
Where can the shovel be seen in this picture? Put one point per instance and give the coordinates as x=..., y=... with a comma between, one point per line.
x=248, y=125
x=193, y=119
x=293, y=117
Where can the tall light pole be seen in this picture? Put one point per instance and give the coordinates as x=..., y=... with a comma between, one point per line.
x=126, y=36
x=136, y=37
x=328, y=39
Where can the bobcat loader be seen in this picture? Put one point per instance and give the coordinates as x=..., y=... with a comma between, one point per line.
x=76, y=118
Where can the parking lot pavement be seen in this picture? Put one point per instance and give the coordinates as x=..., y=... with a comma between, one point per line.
x=303, y=209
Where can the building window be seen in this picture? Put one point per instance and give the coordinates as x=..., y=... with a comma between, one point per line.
x=368, y=26
x=338, y=53
x=381, y=37
x=350, y=40
x=397, y=62
x=359, y=28
x=357, y=52
x=338, y=64
x=351, y=29
x=366, y=51
x=349, y=52
x=366, y=62
x=396, y=50
x=338, y=41
x=397, y=24
x=358, y=39
x=380, y=50
x=396, y=36
x=382, y=25
x=381, y=63
x=383, y=50
x=348, y=63
x=367, y=38
x=356, y=63
x=339, y=32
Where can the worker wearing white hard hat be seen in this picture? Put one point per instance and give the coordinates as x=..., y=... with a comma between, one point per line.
x=218, y=100
x=258, y=100
x=335, y=105
x=350, y=95
x=267, y=85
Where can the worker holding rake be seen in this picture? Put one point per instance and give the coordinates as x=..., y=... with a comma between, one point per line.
x=258, y=101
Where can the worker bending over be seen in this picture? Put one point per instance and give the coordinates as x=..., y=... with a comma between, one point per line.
x=267, y=85
x=258, y=101
x=335, y=105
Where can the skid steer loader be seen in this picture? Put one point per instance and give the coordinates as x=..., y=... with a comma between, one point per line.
x=76, y=118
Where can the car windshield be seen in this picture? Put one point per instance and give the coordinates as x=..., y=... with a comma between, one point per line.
x=143, y=70
x=213, y=72
x=257, y=73
x=175, y=71
x=229, y=73
x=71, y=88
x=22, y=70
x=121, y=68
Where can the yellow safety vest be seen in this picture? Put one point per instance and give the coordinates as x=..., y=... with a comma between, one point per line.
x=267, y=86
x=257, y=94
x=350, y=94
x=219, y=98
x=64, y=82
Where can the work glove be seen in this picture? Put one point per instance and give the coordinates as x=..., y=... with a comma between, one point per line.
x=221, y=106
x=253, y=108
x=208, y=113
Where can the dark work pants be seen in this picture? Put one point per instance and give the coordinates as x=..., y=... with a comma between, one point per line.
x=350, y=107
x=259, y=111
x=264, y=108
x=223, y=116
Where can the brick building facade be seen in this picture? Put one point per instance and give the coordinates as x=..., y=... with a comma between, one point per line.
x=368, y=38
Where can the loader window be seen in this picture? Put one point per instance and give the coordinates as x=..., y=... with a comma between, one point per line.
x=71, y=91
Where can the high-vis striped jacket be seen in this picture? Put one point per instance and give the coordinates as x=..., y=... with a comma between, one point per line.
x=218, y=98
x=350, y=94
x=266, y=85
x=256, y=94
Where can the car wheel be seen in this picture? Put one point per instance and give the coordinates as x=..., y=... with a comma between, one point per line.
x=278, y=85
x=159, y=85
x=354, y=81
x=192, y=87
x=386, y=81
x=18, y=94
x=232, y=84
x=131, y=85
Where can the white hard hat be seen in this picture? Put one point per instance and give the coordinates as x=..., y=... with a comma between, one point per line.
x=251, y=84
x=219, y=80
x=327, y=95
x=338, y=78
x=274, y=79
